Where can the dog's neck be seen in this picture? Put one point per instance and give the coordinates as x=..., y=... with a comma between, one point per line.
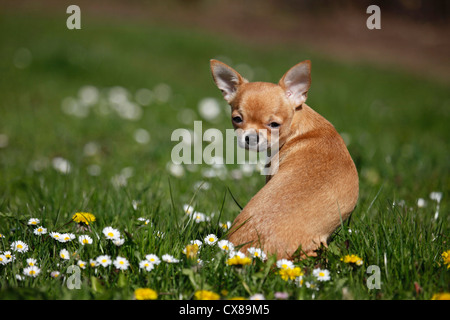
x=306, y=123
x=305, y=120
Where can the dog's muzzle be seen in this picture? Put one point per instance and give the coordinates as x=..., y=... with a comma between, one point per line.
x=251, y=140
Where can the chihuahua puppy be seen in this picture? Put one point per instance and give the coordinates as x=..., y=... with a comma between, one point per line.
x=314, y=186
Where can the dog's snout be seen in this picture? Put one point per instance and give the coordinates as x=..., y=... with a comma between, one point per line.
x=252, y=139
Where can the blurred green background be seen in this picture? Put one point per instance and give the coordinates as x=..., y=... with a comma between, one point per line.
x=103, y=101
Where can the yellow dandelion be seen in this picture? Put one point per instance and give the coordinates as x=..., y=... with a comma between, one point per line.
x=353, y=258
x=191, y=251
x=145, y=294
x=206, y=295
x=290, y=273
x=441, y=296
x=446, y=258
x=238, y=260
x=83, y=217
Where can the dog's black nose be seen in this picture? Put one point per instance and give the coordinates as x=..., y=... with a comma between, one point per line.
x=252, y=139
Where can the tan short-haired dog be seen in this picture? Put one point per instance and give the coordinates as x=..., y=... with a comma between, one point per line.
x=315, y=185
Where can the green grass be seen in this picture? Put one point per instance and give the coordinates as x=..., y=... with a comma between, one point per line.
x=395, y=124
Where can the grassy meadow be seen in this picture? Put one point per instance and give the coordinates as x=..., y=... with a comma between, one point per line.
x=86, y=118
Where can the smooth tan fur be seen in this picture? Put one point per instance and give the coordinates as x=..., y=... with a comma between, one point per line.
x=316, y=185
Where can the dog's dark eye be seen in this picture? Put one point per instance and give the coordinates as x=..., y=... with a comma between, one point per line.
x=237, y=119
x=274, y=125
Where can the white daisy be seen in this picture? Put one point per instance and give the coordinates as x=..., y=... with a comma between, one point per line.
x=81, y=264
x=437, y=196
x=84, y=239
x=65, y=237
x=135, y=204
x=257, y=253
x=225, y=226
x=159, y=234
x=210, y=239
x=153, y=258
x=104, y=260
x=144, y=220
x=111, y=233
x=33, y=222
x=3, y=259
x=40, y=230
x=169, y=258
x=119, y=241
x=31, y=271
x=64, y=254
x=311, y=285
x=9, y=256
x=421, y=203
x=188, y=209
x=285, y=264
x=147, y=265
x=19, y=246
x=225, y=245
x=232, y=254
x=31, y=262
x=198, y=217
x=121, y=263
x=93, y=263
x=257, y=296
x=55, y=274
x=69, y=236
x=299, y=281
x=322, y=274
x=55, y=235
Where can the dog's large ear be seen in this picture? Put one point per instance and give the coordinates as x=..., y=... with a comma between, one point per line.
x=296, y=82
x=226, y=78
